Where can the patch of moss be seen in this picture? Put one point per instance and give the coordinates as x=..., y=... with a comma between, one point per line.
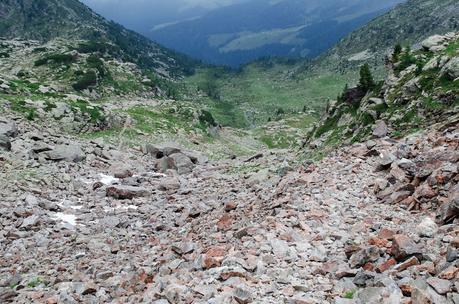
x=94, y=112
x=349, y=294
x=35, y=282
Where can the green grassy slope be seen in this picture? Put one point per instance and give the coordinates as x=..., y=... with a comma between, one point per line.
x=264, y=92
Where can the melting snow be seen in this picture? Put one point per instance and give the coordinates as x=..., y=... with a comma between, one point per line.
x=68, y=218
x=107, y=179
x=123, y=208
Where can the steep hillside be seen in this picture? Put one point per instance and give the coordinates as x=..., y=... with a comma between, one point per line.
x=44, y=20
x=240, y=33
x=421, y=90
x=408, y=23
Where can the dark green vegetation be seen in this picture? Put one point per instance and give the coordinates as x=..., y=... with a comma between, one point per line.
x=57, y=59
x=85, y=81
x=366, y=82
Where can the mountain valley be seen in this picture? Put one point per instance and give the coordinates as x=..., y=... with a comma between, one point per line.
x=134, y=174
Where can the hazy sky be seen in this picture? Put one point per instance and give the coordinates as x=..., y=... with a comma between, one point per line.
x=136, y=14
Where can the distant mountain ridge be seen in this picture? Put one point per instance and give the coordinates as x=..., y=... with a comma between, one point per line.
x=240, y=33
x=408, y=23
x=44, y=20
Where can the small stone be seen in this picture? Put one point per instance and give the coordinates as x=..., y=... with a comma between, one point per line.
x=427, y=228
x=419, y=296
x=169, y=184
x=360, y=258
x=451, y=254
x=126, y=192
x=386, y=234
x=441, y=286
x=225, y=222
x=406, y=264
x=242, y=295
x=176, y=293
x=229, y=206
x=386, y=159
x=70, y=153
x=386, y=265
x=5, y=143
x=183, y=248
x=449, y=273
x=7, y=295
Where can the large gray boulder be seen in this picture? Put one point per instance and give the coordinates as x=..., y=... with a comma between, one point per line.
x=450, y=210
x=183, y=163
x=5, y=143
x=451, y=69
x=380, y=129
x=180, y=162
x=70, y=153
x=432, y=42
x=8, y=128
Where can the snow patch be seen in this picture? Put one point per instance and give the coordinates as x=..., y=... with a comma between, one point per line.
x=122, y=208
x=67, y=218
x=107, y=179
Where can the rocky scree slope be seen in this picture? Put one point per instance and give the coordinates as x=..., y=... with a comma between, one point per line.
x=422, y=89
x=84, y=221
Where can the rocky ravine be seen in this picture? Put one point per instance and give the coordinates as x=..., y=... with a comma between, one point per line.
x=83, y=222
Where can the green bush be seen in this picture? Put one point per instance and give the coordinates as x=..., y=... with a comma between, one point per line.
x=206, y=119
x=406, y=59
x=94, y=62
x=55, y=59
x=171, y=88
x=89, y=79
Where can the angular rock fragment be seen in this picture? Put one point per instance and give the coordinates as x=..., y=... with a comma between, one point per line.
x=126, y=192
x=404, y=247
x=70, y=153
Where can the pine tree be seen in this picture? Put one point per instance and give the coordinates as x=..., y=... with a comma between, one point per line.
x=407, y=58
x=366, y=78
x=397, y=51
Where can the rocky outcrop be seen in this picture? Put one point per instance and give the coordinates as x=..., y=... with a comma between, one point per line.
x=421, y=90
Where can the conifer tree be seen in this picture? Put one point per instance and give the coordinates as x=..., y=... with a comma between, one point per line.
x=397, y=51
x=367, y=82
